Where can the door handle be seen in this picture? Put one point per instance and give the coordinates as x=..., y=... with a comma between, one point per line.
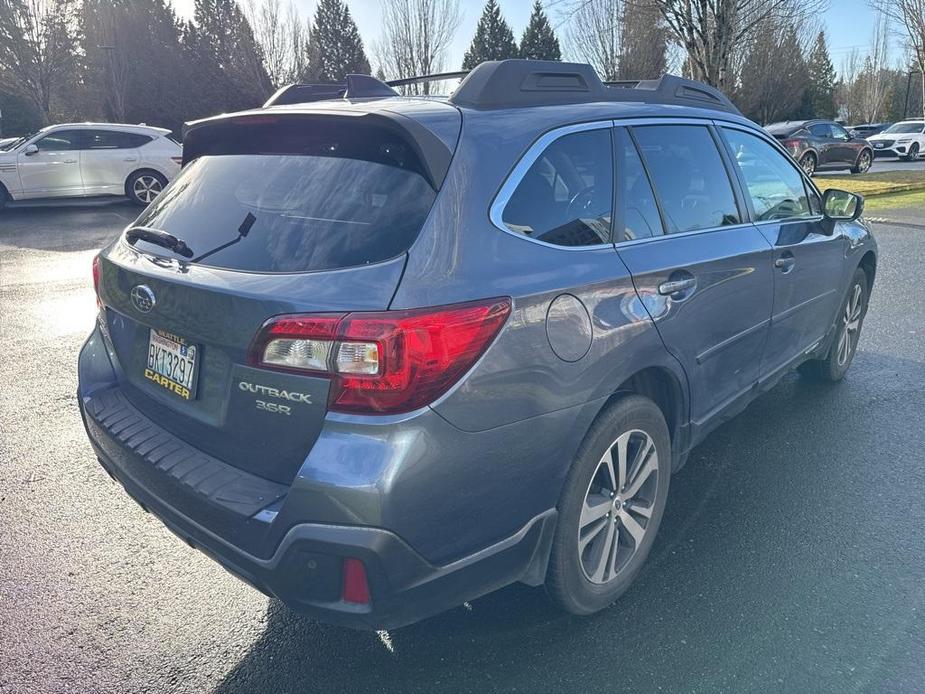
x=70, y=161
x=672, y=287
x=785, y=263
x=130, y=159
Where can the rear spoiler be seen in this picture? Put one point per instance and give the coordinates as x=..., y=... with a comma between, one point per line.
x=218, y=132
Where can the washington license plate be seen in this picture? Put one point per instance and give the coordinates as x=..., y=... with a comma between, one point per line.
x=172, y=363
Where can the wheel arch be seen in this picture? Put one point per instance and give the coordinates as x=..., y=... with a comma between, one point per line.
x=869, y=265
x=667, y=390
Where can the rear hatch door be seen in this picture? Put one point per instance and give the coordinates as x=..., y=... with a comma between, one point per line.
x=292, y=216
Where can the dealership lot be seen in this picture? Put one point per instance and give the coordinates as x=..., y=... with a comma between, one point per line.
x=791, y=557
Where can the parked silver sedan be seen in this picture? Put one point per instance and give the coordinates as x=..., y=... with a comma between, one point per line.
x=88, y=159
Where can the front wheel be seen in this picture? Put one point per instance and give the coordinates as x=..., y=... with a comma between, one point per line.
x=143, y=186
x=611, y=506
x=865, y=159
x=913, y=152
x=834, y=365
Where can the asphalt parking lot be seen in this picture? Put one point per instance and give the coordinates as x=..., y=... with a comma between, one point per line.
x=791, y=558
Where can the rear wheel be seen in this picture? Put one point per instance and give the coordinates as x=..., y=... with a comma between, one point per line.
x=143, y=186
x=865, y=159
x=913, y=152
x=834, y=365
x=808, y=163
x=611, y=506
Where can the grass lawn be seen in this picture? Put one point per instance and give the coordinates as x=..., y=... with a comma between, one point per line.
x=876, y=183
x=892, y=201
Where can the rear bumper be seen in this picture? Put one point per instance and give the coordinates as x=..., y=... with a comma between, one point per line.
x=271, y=537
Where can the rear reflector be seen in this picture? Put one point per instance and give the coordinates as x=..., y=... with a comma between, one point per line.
x=356, y=587
x=385, y=362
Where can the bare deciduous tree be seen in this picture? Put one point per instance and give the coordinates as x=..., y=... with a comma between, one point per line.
x=282, y=37
x=415, y=37
x=37, y=49
x=910, y=15
x=595, y=35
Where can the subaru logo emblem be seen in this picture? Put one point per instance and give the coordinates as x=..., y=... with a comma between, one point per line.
x=143, y=298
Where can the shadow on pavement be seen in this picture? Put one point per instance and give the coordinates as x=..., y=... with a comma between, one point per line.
x=768, y=574
x=75, y=226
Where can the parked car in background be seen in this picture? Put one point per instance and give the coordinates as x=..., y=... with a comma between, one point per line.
x=75, y=160
x=905, y=140
x=823, y=145
x=865, y=130
x=379, y=356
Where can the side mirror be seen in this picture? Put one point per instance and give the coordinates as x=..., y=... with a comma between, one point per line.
x=30, y=150
x=841, y=206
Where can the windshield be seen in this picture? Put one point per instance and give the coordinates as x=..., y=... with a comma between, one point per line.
x=905, y=128
x=7, y=146
x=360, y=201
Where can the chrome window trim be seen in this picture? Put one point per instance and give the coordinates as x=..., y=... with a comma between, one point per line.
x=680, y=234
x=503, y=196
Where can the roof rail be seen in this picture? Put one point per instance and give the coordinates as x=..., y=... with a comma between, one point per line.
x=420, y=79
x=517, y=83
x=513, y=83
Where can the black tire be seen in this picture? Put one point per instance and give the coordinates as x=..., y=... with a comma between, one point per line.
x=808, y=163
x=143, y=186
x=568, y=581
x=913, y=152
x=833, y=367
x=3, y=198
x=864, y=162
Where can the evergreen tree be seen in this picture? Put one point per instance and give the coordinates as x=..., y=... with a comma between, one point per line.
x=539, y=41
x=493, y=38
x=335, y=47
x=644, y=52
x=821, y=87
x=227, y=53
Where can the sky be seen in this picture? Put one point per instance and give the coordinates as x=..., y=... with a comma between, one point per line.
x=848, y=23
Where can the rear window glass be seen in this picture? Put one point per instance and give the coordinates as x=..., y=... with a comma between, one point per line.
x=333, y=198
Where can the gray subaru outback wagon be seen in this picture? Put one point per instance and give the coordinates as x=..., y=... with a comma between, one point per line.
x=380, y=355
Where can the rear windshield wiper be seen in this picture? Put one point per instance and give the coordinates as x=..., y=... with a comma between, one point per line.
x=159, y=238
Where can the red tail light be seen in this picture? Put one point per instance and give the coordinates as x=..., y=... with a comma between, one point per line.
x=792, y=144
x=96, y=280
x=386, y=362
x=355, y=585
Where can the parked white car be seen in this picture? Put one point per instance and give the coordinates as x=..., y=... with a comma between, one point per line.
x=89, y=159
x=905, y=140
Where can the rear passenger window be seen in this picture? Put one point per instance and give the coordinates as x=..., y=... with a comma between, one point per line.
x=565, y=198
x=689, y=177
x=640, y=212
x=112, y=139
x=774, y=185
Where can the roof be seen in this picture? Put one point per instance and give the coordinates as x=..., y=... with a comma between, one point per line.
x=125, y=127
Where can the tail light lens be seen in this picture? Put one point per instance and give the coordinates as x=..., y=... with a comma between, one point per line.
x=177, y=160
x=96, y=280
x=385, y=362
x=792, y=144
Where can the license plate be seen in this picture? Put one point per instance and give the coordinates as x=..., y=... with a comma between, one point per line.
x=172, y=364
x=878, y=145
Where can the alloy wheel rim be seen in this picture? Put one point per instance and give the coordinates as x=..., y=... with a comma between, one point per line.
x=809, y=165
x=146, y=188
x=865, y=162
x=618, y=506
x=914, y=152
x=851, y=325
